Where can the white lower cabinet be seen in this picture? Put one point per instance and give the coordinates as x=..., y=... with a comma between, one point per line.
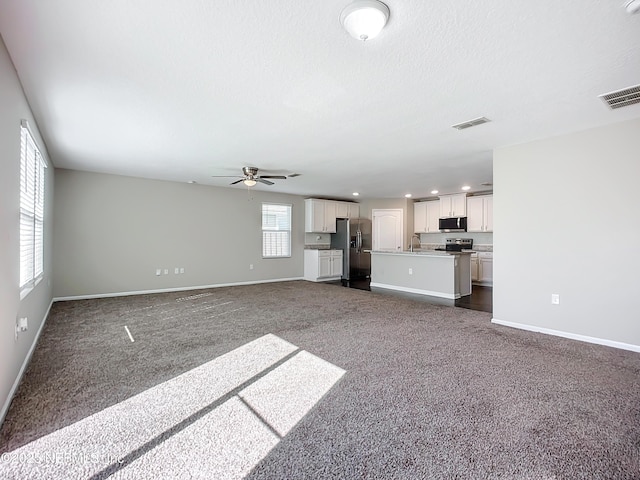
x=482, y=268
x=322, y=265
x=474, y=267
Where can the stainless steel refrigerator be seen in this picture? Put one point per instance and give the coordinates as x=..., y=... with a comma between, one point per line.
x=353, y=237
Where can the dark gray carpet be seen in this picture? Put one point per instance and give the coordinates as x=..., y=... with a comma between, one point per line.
x=430, y=391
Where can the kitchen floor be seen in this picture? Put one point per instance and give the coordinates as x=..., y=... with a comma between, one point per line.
x=481, y=298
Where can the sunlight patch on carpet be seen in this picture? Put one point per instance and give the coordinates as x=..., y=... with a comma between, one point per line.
x=217, y=420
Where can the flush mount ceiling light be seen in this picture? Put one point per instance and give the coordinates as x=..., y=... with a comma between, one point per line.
x=632, y=6
x=433, y=192
x=364, y=19
x=466, y=187
x=355, y=194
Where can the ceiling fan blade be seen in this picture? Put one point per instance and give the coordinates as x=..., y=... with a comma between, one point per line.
x=237, y=181
x=227, y=176
x=266, y=182
x=279, y=177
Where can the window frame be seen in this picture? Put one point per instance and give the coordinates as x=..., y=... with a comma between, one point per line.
x=276, y=229
x=31, y=221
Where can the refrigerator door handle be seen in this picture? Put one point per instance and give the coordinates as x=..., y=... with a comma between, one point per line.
x=359, y=240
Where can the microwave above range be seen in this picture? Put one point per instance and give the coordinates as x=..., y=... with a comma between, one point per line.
x=453, y=224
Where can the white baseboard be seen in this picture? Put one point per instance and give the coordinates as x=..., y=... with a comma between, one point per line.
x=450, y=296
x=25, y=364
x=174, y=289
x=572, y=336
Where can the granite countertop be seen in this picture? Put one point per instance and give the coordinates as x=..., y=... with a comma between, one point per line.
x=479, y=247
x=421, y=252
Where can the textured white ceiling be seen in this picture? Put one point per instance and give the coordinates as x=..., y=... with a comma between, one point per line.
x=184, y=90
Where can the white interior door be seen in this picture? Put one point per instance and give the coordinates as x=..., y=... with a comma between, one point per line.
x=387, y=229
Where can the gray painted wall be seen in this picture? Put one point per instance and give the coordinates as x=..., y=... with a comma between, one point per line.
x=112, y=233
x=34, y=306
x=566, y=221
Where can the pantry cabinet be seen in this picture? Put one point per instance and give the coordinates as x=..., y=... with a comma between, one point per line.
x=425, y=217
x=480, y=213
x=453, y=205
x=322, y=265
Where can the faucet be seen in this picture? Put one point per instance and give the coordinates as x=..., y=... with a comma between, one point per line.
x=411, y=241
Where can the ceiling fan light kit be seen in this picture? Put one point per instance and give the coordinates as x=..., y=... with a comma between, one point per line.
x=364, y=19
x=250, y=177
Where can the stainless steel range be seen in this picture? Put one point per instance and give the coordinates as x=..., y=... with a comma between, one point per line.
x=457, y=244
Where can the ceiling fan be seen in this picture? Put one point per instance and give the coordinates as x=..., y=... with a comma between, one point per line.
x=250, y=177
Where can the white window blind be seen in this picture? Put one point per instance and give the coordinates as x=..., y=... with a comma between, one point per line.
x=32, y=168
x=276, y=230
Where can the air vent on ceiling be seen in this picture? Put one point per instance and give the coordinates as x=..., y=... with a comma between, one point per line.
x=471, y=123
x=622, y=98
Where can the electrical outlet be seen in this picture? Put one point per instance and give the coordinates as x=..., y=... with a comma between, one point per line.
x=411, y=271
x=251, y=266
x=176, y=271
x=181, y=269
x=166, y=271
x=21, y=326
x=555, y=299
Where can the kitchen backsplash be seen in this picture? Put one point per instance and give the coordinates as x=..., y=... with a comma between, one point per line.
x=317, y=240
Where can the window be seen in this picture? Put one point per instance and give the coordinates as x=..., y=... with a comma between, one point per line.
x=32, y=167
x=276, y=230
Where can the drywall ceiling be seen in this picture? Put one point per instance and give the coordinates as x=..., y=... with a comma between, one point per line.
x=186, y=90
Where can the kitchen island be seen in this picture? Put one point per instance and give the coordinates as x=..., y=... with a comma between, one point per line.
x=426, y=272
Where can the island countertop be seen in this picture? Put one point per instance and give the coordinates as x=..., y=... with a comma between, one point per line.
x=438, y=253
x=427, y=272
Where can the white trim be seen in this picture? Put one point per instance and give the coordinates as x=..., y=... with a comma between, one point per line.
x=323, y=279
x=165, y=290
x=25, y=364
x=572, y=336
x=450, y=296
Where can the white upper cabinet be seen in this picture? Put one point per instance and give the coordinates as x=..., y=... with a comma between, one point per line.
x=319, y=216
x=354, y=210
x=453, y=205
x=347, y=210
x=480, y=214
x=342, y=210
x=425, y=217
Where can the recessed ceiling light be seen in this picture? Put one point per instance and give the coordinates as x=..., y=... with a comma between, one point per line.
x=466, y=187
x=408, y=195
x=355, y=194
x=434, y=192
